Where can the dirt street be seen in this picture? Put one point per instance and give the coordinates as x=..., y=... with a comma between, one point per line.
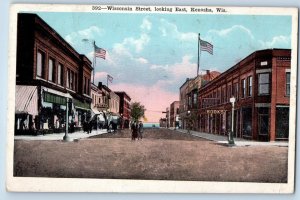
x=161, y=155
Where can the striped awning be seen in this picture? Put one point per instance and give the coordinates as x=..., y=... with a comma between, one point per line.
x=26, y=100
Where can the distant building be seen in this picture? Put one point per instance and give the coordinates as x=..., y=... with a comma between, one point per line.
x=188, y=99
x=163, y=122
x=168, y=117
x=124, y=110
x=174, y=114
x=49, y=73
x=106, y=103
x=260, y=84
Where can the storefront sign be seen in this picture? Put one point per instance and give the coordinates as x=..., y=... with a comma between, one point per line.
x=215, y=111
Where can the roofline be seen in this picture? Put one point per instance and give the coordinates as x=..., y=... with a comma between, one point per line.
x=61, y=39
x=237, y=65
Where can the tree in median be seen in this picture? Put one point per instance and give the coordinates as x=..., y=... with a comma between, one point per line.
x=137, y=111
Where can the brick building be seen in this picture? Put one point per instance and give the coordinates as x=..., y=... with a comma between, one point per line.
x=174, y=114
x=124, y=108
x=260, y=84
x=49, y=73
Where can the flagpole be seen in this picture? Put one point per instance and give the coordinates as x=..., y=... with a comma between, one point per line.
x=107, y=80
x=94, y=62
x=199, y=53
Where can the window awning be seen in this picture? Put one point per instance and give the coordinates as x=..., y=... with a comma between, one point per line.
x=67, y=95
x=26, y=100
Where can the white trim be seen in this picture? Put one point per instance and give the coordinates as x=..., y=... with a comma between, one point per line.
x=282, y=106
x=260, y=71
x=287, y=70
x=258, y=105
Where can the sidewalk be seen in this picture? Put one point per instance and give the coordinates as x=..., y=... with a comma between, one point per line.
x=238, y=141
x=59, y=136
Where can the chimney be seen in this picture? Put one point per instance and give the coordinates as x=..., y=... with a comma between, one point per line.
x=99, y=85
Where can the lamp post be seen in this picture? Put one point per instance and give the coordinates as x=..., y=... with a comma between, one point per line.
x=230, y=136
x=66, y=137
x=188, y=121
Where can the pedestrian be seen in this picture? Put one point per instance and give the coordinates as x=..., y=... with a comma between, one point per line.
x=90, y=126
x=140, y=130
x=134, y=131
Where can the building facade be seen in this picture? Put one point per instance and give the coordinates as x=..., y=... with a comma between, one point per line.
x=174, y=114
x=260, y=85
x=50, y=75
x=124, y=110
x=188, y=99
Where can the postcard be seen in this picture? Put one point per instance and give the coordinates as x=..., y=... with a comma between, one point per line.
x=151, y=99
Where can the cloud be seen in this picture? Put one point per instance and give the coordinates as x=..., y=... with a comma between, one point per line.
x=137, y=43
x=142, y=60
x=148, y=96
x=100, y=75
x=280, y=41
x=146, y=25
x=227, y=32
x=169, y=29
x=89, y=33
x=185, y=68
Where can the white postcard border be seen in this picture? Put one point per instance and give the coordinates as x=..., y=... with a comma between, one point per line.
x=23, y=184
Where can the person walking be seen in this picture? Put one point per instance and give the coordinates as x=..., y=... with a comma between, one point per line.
x=140, y=130
x=134, y=131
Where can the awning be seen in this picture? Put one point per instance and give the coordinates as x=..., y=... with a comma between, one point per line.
x=95, y=111
x=67, y=95
x=26, y=100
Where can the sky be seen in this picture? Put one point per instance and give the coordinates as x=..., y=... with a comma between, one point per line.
x=150, y=56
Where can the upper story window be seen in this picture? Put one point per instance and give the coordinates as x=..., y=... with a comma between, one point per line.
x=236, y=90
x=195, y=97
x=287, y=83
x=86, y=86
x=229, y=92
x=40, y=64
x=60, y=74
x=264, y=83
x=51, y=70
x=249, y=80
x=243, y=88
x=70, y=79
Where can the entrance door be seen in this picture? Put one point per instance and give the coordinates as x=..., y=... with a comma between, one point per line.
x=263, y=126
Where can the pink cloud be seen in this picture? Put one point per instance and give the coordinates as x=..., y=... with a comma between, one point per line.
x=100, y=76
x=154, y=98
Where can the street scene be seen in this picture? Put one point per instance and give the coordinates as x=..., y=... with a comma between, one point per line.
x=153, y=96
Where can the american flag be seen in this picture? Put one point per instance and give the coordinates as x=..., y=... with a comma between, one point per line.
x=206, y=46
x=99, y=52
x=110, y=78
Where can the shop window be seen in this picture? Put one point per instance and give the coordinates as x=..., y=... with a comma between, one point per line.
x=282, y=122
x=287, y=83
x=264, y=84
x=247, y=122
x=40, y=64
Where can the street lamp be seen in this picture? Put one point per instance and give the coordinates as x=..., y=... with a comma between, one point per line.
x=230, y=136
x=67, y=138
